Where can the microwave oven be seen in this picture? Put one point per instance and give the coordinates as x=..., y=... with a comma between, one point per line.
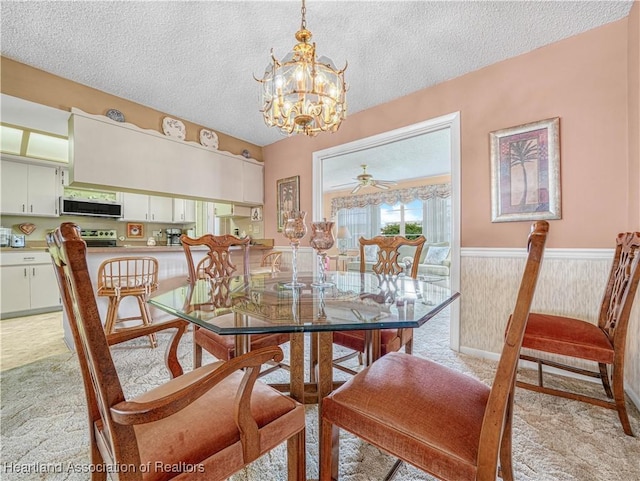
x=90, y=207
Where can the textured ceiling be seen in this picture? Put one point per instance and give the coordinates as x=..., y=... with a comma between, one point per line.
x=196, y=60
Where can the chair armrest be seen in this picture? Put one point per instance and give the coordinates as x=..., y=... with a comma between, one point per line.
x=133, y=412
x=171, y=358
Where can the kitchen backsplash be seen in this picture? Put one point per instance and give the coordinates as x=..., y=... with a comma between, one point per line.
x=46, y=224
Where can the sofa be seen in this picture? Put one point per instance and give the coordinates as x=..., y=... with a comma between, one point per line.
x=435, y=259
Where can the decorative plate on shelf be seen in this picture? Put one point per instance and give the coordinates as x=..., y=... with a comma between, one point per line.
x=209, y=139
x=116, y=115
x=174, y=128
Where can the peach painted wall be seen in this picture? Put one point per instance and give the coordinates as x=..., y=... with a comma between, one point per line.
x=582, y=80
x=634, y=114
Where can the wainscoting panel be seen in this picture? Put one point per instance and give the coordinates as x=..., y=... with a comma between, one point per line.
x=571, y=283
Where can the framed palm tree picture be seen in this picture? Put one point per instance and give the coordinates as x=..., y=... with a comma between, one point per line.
x=525, y=172
x=288, y=192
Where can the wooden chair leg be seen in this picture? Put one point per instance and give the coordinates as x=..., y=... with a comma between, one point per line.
x=329, y=451
x=408, y=347
x=197, y=350
x=296, y=458
x=506, y=461
x=112, y=314
x=96, y=459
x=618, y=396
x=604, y=376
x=145, y=315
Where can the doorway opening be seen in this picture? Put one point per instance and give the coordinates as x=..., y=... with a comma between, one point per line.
x=417, y=154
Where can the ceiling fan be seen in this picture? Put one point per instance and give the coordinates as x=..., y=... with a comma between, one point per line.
x=366, y=180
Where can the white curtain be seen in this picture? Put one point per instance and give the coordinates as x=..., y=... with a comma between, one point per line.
x=361, y=213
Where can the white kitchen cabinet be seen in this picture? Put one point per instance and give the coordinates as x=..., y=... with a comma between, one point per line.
x=160, y=209
x=253, y=183
x=29, y=189
x=28, y=283
x=223, y=210
x=135, y=206
x=147, y=208
x=184, y=211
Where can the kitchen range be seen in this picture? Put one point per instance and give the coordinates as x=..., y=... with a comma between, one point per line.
x=99, y=237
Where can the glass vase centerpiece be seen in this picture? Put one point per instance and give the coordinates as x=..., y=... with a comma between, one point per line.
x=294, y=230
x=321, y=240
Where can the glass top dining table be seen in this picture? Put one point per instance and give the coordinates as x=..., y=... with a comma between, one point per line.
x=262, y=303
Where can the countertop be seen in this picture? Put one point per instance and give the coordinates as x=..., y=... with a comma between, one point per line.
x=124, y=248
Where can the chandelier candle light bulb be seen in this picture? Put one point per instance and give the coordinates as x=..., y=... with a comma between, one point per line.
x=302, y=94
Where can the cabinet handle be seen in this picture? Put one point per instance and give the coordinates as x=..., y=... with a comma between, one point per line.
x=31, y=208
x=25, y=272
x=28, y=258
x=23, y=208
x=33, y=271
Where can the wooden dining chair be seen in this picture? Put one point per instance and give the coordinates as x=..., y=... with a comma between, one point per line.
x=440, y=420
x=171, y=431
x=603, y=343
x=216, y=264
x=388, y=262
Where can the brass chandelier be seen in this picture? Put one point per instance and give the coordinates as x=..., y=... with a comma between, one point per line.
x=302, y=94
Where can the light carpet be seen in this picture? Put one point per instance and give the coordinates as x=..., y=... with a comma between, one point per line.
x=44, y=422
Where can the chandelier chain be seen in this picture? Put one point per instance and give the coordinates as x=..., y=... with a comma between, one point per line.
x=303, y=10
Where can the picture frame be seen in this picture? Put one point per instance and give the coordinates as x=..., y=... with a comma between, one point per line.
x=256, y=214
x=135, y=231
x=525, y=172
x=288, y=198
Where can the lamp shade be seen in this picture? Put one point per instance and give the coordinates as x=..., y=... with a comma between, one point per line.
x=343, y=233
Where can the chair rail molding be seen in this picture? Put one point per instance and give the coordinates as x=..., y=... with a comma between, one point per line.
x=554, y=253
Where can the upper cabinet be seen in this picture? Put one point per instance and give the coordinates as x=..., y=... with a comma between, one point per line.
x=147, y=208
x=253, y=179
x=29, y=189
x=184, y=211
x=122, y=156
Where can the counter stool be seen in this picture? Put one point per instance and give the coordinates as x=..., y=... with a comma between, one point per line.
x=269, y=264
x=120, y=277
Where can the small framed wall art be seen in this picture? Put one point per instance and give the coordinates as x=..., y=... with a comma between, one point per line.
x=525, y=172
x=288, y=192
x=256, y=214
x=135, y=231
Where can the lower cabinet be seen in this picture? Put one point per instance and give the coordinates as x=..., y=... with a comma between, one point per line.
x=28, y=284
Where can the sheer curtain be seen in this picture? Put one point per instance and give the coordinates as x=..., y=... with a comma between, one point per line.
x=361, y=213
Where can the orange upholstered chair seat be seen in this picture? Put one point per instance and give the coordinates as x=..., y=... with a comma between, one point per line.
x=224, y=347
x=184, y=438
x=441, y=429
x=567, y=336
x=390, y=339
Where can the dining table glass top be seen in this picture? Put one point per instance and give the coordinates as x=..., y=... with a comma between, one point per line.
x=261, y=303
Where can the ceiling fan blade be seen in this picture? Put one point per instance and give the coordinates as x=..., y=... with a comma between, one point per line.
x=356, y=189
x=381, y=186
x=388, y=182
x=343, y=185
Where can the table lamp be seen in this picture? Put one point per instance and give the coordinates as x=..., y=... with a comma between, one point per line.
x=342, y=236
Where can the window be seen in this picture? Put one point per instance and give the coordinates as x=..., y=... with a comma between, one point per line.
x=431, y=217
x=402, y=219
